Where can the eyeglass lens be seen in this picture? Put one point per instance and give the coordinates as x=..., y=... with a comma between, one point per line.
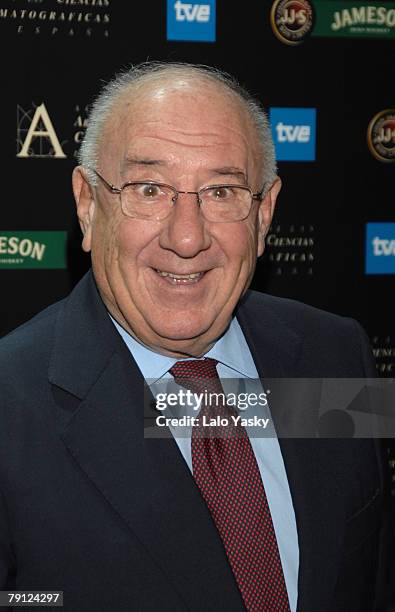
x=155, y=201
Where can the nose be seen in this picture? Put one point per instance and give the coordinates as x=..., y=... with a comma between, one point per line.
x=185, y=231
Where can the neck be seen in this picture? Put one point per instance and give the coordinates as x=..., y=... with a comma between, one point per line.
x=179, y=349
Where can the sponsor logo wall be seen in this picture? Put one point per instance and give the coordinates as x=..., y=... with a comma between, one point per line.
x=322, y=68
x=52, y=106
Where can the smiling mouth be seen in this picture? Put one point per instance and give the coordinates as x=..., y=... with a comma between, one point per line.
x=181, y=279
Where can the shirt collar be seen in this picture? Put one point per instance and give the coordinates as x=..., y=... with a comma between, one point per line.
x=231, y=350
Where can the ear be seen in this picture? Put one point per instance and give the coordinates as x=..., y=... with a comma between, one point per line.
x=266, y=212
x=83, y=194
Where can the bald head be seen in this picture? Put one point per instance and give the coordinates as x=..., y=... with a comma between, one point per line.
x=185, y=83
x=191, y=112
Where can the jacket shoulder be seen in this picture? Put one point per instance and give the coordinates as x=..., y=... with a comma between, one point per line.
x=26, y=349
x=295, y=314
x=331, y=345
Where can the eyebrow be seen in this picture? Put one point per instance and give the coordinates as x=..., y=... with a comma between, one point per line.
x=135, y=161
x=223, y=171
x=231, y=171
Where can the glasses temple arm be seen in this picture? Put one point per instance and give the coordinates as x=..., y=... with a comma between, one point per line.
x=109, y=186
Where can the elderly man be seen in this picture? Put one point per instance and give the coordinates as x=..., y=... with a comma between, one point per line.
x=175, y=194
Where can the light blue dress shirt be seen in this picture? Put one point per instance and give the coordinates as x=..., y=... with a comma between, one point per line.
x=235, y=361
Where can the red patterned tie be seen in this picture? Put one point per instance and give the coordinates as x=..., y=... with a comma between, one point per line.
x=227, y=474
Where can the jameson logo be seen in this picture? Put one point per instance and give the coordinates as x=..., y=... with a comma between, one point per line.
x=46, y=250
x=373, y=20
x=363, y=16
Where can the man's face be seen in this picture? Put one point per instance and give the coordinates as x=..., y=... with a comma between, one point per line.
x=188, y=136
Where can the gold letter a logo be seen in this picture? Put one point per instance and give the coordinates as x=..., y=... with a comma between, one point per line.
x=41, y=114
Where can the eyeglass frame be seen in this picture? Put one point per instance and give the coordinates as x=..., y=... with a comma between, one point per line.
x=258, y=196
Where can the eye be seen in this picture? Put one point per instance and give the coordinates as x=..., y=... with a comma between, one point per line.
x=149, y=190
x=220, y=193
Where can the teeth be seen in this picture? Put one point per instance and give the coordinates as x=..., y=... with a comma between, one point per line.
x=180, y=276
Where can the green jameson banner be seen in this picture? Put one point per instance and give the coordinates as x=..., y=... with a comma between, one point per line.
x=32, y=250
x=354, y=19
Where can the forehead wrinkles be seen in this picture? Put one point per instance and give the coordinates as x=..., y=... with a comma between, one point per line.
x=194, y=115
x=181, y=135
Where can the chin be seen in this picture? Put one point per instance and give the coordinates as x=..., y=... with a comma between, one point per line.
x=178, y=329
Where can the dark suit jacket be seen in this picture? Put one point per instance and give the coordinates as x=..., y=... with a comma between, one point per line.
x=90, y=507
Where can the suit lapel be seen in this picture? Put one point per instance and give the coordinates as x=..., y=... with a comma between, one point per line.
x=314, y=478
x=146, y=481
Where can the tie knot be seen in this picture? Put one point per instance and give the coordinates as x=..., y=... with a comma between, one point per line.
x=197, y=375
x=199, y=368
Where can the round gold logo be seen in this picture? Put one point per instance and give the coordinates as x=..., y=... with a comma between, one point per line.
x=292, y=20
x=381, y=135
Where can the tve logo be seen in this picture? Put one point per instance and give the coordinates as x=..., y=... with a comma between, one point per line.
x=380, y=248
x=191, y=20
x=293, y=131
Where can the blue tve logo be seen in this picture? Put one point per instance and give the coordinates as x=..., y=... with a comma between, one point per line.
x=191, y=20
x=293, y=131
x=380, y=248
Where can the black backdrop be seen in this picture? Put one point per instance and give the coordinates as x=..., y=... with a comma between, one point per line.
x=57, y=52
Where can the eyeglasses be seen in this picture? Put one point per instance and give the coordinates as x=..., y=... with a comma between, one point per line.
x=154, y=201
